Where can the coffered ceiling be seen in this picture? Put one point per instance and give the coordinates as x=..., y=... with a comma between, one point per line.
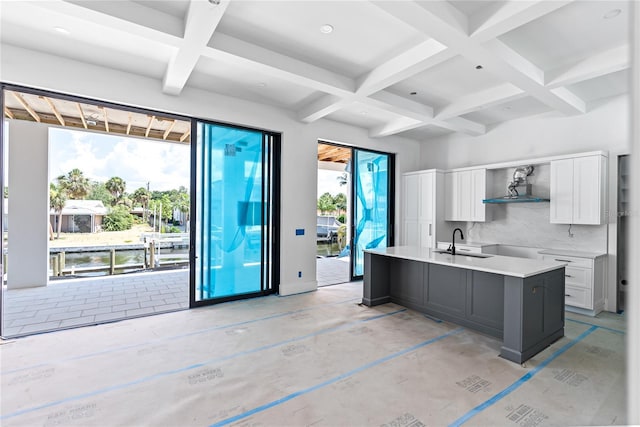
x=413, y=68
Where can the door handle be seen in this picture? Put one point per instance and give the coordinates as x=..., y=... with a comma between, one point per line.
x=429, y=229
x=568, y=275
x=563, y=260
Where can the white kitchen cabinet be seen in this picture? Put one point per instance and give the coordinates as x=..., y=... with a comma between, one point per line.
x=578, y=190
x=423, y=213
x=464, y=192
x=584, y=279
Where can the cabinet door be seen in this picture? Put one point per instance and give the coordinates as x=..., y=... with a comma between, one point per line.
x=587, y=195
x=411, y=233
x=408, y=281
x=478, y=193
x=464, y=190
x=427, y=234
x=561, y=192
x=450, y=194
x=447, y=290
x=426, y=198
x=411, y=190
x=485, y=299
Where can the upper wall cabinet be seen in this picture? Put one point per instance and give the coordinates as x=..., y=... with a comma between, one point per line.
x=464, y=192
x=422, y=207
x=578, y=190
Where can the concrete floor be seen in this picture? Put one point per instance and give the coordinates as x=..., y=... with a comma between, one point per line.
x=312, y=359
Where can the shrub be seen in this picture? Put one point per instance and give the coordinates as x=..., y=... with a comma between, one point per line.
x=118, y=219
x=174, y=229
x=341, y=218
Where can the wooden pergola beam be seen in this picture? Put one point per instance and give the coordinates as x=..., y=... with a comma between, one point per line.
x=8, y=113
x=129, y=125
x=146, y=134
x=55, y=110
x=26, y=106
x=106, y=119
x=169, y=129
x=84, y=122
x=185, y=135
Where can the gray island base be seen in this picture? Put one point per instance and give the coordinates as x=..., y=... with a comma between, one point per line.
x=520, y=301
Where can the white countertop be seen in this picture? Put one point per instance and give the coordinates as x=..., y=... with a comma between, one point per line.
x=567, y=252
x=505, y=265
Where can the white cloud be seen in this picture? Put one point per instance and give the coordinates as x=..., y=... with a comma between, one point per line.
x=164, y=165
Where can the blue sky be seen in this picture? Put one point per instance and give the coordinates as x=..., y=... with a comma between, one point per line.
x=100, y=156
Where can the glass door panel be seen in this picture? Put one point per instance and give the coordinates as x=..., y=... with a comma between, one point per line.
x=372, y=209
x=232, y=217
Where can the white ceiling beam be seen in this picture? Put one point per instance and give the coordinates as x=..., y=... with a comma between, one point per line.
x=202, y=19
x=399, y=105
x=460, y=124
x=603, y=63
x=425, y=55
x=265, y=61
x=434, y=19
x=410, y=62
x=396, y=126
x=512, y=67
x=322, y=107
x=98, y=17
x=480, y=100
x=491, y=22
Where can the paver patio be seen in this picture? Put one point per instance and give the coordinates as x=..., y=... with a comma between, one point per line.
x=75, y=302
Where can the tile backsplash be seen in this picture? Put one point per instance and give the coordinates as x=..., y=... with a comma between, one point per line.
x=527, y=224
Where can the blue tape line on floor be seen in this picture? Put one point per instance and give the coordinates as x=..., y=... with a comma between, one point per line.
x=332, y=380
x=194, y=366
x=617, y=331
x=526, y=377
x=174, y=337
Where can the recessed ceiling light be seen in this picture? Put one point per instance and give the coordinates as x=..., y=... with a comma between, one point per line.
x=364, y=113
x=262, y=84
x=326, y=29
x=61, y=30
x=612, y=13
x=479, y=67
x=507, y=108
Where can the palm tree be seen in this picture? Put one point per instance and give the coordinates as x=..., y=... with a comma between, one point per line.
x=340, y=200
x=75, y=184
x=116, y=186
x=57, y=199
x=183, y=204
x=142, y=196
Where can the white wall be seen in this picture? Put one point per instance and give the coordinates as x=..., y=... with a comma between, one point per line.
x=605, y=127
x=28, y=242
x=299, y=140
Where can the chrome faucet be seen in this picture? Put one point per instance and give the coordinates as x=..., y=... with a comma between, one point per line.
x=453, y=240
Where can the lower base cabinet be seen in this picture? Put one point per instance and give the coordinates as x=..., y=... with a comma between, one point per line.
x=526, y=313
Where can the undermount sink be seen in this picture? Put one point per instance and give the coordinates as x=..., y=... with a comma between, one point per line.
x=473, y=255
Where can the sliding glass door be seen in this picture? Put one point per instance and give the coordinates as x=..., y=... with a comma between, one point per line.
x=373, y=205
x=235, y=216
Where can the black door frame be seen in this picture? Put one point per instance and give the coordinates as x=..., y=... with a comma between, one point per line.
x=272, y=169
x=351, y=213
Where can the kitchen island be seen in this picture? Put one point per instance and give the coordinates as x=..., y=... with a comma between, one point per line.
x=518, y=300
